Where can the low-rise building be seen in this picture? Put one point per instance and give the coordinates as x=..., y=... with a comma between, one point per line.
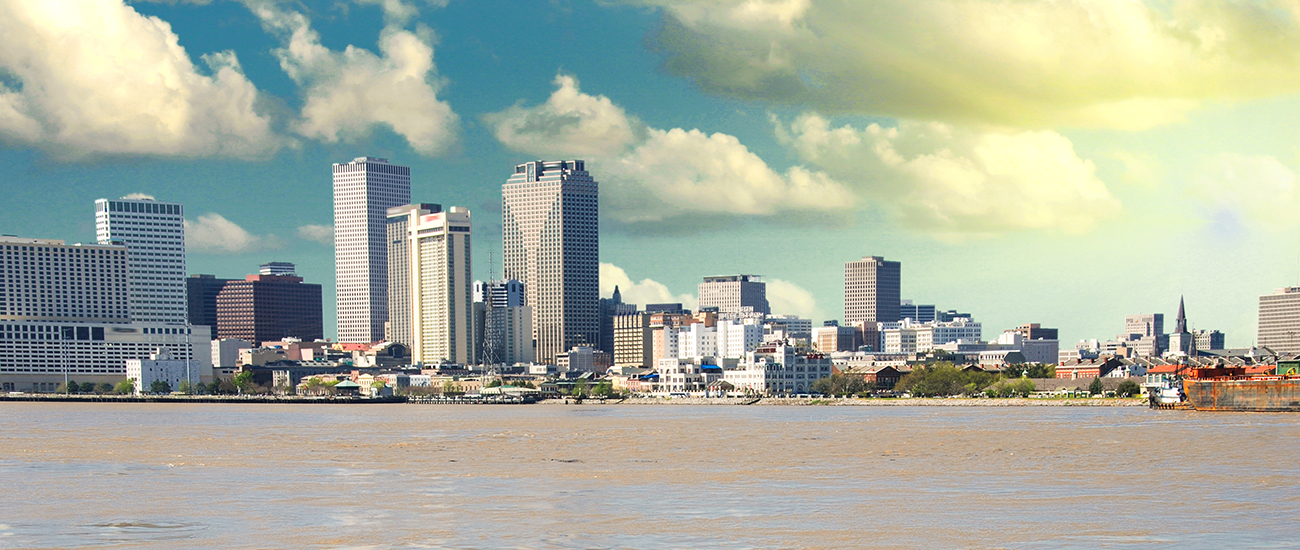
x=161, y=367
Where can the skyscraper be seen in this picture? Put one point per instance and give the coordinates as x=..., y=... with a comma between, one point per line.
x=400, y=221
x=872, y=290
x=263, y=308
x=154, y=235
x=551, y=244
x=442, y=320
x=733, y=294
x=364, y=190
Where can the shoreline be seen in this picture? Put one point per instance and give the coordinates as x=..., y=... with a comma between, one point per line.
x=863, y=402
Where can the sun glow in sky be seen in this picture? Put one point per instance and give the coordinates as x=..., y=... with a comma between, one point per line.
x=1065, y=163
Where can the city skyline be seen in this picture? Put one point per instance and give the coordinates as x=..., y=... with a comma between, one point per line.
x=1052, y=204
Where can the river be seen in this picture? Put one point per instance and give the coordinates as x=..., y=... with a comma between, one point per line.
x=85, y=475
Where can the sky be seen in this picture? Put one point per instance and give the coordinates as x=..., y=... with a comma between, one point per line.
x=1058, y=162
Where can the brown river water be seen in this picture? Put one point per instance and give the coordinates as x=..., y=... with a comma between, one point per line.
x=84, y=475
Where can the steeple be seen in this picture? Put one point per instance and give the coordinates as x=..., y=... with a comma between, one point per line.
x=1180, y=326
x=616, y=298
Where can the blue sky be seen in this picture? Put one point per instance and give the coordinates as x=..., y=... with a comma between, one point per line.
x=1067, y=163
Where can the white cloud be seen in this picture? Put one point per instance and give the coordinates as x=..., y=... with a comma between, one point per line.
x=214, y=233
x=569, y=124
x=646, y=291
x=654, y=174
x=323, y=234
x=958, y=181
x=139, y=197
x=98, y=78
x=787, y=298
x=1098, y=63
x=1247, y=190
x=348, y=93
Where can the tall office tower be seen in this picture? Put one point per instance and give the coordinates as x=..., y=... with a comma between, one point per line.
x=1279, y=320
x=733, y=294
x=442, y=320
x=398, y=232
x=265, y=308
x=154, y=235
x=201, y=293
x=872, y=290
x=277, y=268
x=364, y=190
x=551, y=244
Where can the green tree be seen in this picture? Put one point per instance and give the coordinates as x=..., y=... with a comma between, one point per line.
x=1038, y=370
x=580, y=388
x=103, y=388
x=244, y=381
x=71, y=387
x=495, y=382
x=160, y=386
x=604, y=389
x=1095, y=388
x=87, y=387
x=942, y=379
x=1127, y=388
x=125, y=387
x=185, y=387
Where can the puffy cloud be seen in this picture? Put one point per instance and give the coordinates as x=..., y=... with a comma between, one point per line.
x=787, y=298
x=1236, y=190
x=570, y=123
x=646, y=291
x=214, y=233
x=1100, y=63
x=958, y=181
x=323, y=234
x=139, y=197
x=350, y=92
x=654, y=174
x=98, y=78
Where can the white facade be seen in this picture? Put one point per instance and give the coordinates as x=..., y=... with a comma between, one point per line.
x=551, y=244
x=154, y=235
x=398, y=232
x=225, y=351
x=47, y=280
x=938, y=333
x=697, y=340
x=778, y=369
x=442, y=317
x=579, y=359
x=735, y=338
x=1044, y=351
x=364, y=190
x=35, y=356
x=899, y=340
x=160, y=366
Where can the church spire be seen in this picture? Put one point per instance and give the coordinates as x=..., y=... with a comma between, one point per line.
x=617, y=298
x=1181, y=325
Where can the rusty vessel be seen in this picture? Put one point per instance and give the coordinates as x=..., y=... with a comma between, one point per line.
x=1225, y=389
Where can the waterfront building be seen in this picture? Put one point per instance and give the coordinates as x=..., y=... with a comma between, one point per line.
x=738, y=337
x=441, y=284
x=364, y=190
x=201, y=294
x=397, y=229
x=225, y=352
x=830, y=339
x=551, y=244
x=66, y=309
x=154, y=235
x=161, y=367
x=872, y=290
x=264, y=308
x=1279, y=321
x=734, y=294
x=778, y=369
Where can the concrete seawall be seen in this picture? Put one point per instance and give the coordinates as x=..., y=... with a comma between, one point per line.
x=852, y=402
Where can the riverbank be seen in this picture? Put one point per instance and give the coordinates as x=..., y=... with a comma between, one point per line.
x=284, y=399
x=868, y=402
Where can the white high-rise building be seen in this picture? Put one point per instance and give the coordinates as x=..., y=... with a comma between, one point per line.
x=733, y=294
x=400, y=221
x=364, y=190
x=442, y=317
x=551, y=244
x=154, y=235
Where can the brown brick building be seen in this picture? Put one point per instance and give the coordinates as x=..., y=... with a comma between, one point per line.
x=264, y=308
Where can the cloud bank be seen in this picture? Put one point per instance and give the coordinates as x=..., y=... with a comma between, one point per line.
x=1087, y=63
x=127, y=88
x=645, y=291
x=213, y=233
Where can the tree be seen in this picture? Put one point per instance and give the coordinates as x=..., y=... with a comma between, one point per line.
x=1127, y=388
x=125, y=387
x=1095, y=388
x=495, y=382
x=942, y=379
x=185, y=387
x=103, y=388
x=603, y=389
x=160, y=386
x=580, y=388
x=87, y=387
x=244, y=381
